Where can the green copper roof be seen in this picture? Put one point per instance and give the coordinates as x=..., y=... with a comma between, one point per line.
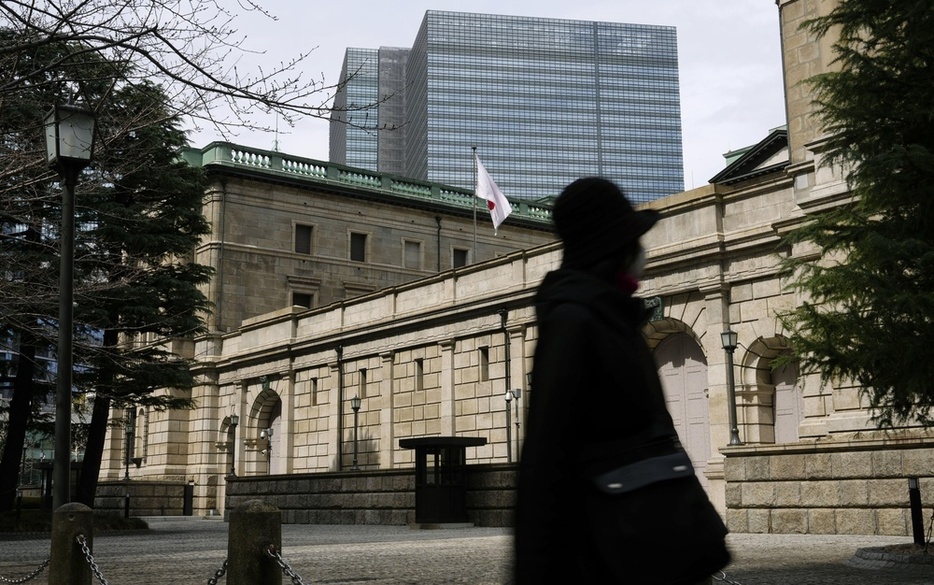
x=297, y=170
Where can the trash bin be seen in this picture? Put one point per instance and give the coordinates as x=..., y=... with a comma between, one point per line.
x=441, y=477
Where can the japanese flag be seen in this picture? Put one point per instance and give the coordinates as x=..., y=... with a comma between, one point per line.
x=495, y=200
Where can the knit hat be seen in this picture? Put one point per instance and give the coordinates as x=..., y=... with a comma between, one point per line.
x=595, y=221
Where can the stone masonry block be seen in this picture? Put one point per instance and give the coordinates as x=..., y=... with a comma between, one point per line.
x=734, y=495
x=819, y=494
x=888, y=492
x=854, y=521
x=887, y=463
x=790, y=521
x=785, y=467
x=757, y=468
x=758, y=521
x=758, y=494
x=766, y=288
x=740, y=293
x=734, y=469
x=821, y=521
x=917, y=462
x=893, y=522
x=736, y=520
x=788, y=494
x=852, y=464
x=853, y=493
x=817, y=466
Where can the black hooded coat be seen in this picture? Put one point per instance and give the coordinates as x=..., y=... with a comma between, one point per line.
x=596, y=403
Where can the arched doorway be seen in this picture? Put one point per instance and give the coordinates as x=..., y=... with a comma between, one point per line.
x=777, y=408
x=267, y=414
x=682, y=368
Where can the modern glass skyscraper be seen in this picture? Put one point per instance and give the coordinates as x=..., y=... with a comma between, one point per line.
x=352, y=136
x=545, y=101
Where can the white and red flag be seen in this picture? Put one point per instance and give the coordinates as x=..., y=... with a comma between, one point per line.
x=495, y=200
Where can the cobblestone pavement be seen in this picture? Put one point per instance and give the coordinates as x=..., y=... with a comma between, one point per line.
x=189, y=550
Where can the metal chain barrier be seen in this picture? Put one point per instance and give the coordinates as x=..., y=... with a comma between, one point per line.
x=30, y=576
x=218, y=574
x=90, y=559
x=721, y=576
x=286, y=569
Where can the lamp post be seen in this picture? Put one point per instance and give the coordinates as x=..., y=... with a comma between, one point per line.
x=69, y=133
x=730, y=340
x=510, y=394
x=355, y=405
x=234, y=421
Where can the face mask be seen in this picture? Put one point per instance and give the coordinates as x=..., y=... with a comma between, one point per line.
x=637, y=268
x=627, y=278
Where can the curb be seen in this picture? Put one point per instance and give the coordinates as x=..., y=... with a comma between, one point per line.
x=879, y=557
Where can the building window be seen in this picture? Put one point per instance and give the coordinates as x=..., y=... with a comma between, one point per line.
x=362, y=393
x=459, y=258
x=300, y=299
x=484, y=364
x=313, y=390
x=358, y=247
x=419, y=375
x=412, y=255
x=303, y=239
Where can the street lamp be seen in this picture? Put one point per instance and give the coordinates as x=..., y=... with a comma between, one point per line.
x=69, y=133
x=355, y=405
x=510, y=394
x=730, y=340
x=234, y=421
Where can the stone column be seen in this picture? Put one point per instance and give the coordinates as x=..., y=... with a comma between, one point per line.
x=448, y=426
x=518, y=382
x=384, y=404
x=334, y=411
x=286, y=442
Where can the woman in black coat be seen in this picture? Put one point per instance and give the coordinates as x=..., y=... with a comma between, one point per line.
x=597, y=407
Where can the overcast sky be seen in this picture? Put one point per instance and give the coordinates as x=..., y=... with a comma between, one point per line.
x=728, y=50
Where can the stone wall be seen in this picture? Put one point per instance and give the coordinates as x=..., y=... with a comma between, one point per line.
x=855, y=486
x=147, y=498
x=385, y=497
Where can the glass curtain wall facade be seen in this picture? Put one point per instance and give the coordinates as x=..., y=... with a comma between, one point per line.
x=391, y=134
x=353, y=127
x=545, y=101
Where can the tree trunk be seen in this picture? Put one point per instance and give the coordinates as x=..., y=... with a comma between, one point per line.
x=20, y=414
x=86, y=489
x=97, y=433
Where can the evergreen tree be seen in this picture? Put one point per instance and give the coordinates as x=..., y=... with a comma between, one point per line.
x=870, y=313
x=145, y=223
x=138, y=217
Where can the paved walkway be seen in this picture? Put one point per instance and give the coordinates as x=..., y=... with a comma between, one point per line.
x=190, y=550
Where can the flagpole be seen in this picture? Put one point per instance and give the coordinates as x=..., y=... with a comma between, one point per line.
x=475, y=160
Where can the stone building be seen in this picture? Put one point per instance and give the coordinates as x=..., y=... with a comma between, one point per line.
x=435, y=357
x=288, y=231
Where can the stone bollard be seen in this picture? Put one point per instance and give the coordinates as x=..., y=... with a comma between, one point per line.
x=254, y=525
x=69, y=565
